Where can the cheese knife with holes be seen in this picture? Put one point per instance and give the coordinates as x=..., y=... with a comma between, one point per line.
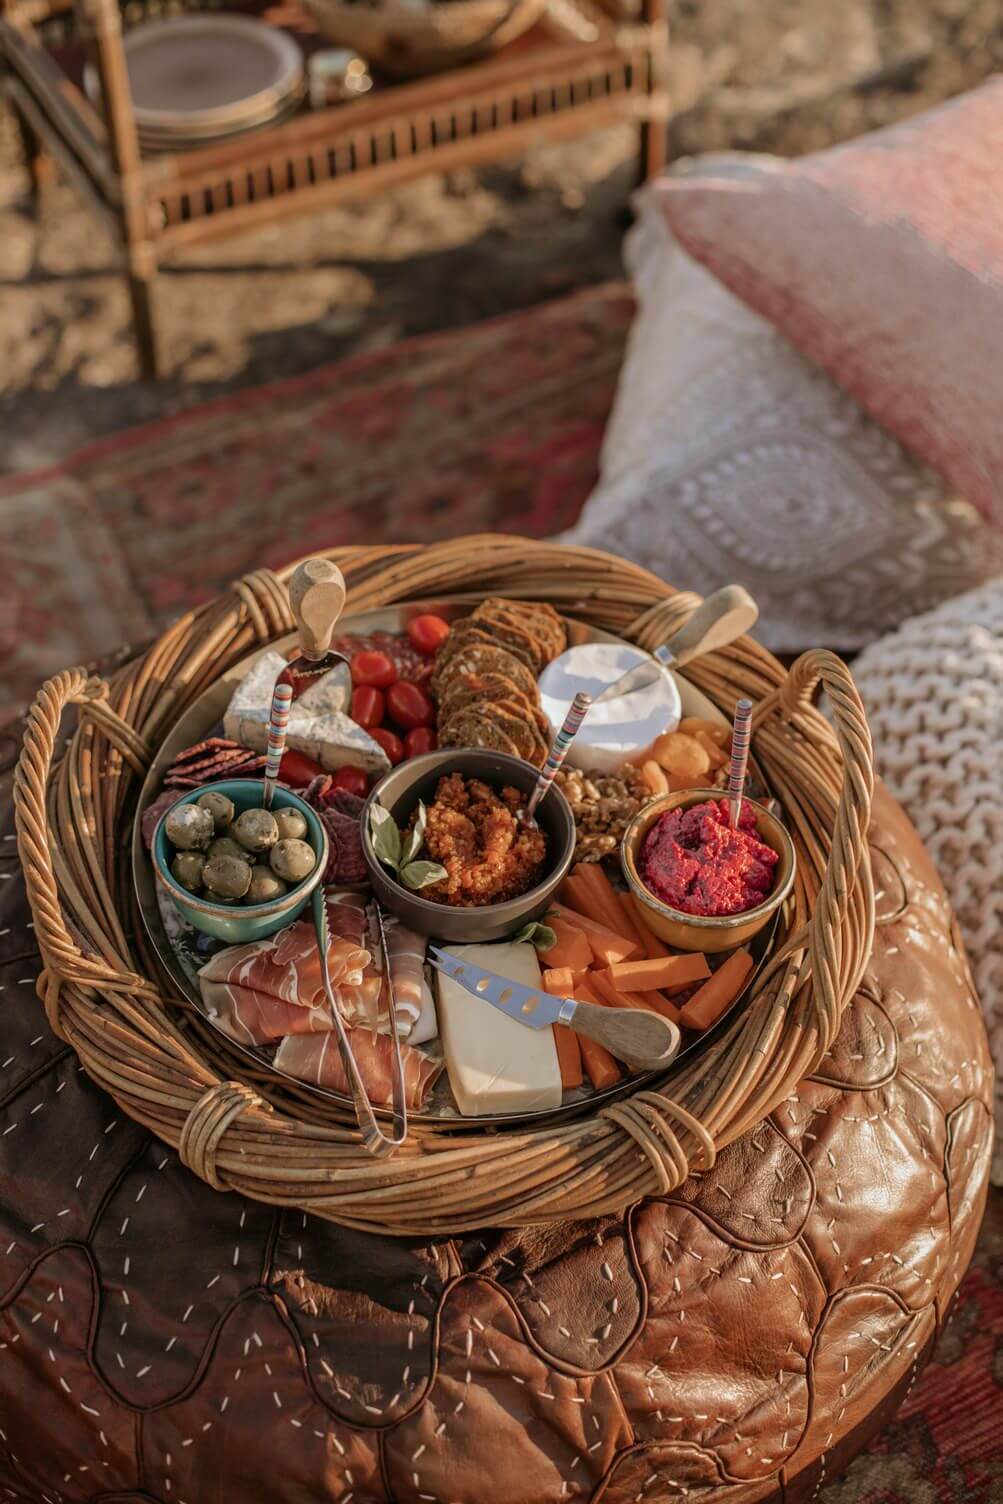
x=640, y=1039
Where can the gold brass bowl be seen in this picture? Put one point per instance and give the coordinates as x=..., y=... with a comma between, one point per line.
x=708, y=933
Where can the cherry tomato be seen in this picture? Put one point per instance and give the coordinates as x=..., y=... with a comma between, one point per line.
x=426, y=634
x=390, y=742
x=375, y=669
x=353, y=780
x=297, y=769
x=421, y=739
x=368, y=706
x=410, y=706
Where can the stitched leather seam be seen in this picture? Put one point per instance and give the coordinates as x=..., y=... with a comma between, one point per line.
x=838, y=1298
x=949, y=1145
x=643, y=1448
x=112, y=1189
x=36, y=1075
x=421, y=1390
x=823, y=1080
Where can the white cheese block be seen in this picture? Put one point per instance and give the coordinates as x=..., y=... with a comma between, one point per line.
x=495, y=1063
x=316, y=726
x=620, y=730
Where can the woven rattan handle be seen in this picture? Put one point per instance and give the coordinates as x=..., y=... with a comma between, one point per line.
x=64, y=960
x=851, y=812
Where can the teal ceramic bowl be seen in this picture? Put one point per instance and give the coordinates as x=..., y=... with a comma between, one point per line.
x=239, y=923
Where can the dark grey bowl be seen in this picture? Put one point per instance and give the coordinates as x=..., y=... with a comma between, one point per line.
x=399, y=792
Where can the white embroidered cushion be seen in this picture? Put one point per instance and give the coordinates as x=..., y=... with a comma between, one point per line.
x=730, y=458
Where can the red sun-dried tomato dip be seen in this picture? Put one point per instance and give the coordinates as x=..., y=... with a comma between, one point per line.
x=694, y=861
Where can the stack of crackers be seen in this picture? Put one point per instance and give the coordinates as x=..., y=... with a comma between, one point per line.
x=485, y=678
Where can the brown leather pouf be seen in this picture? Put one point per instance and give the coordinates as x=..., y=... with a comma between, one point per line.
x=736, y=1342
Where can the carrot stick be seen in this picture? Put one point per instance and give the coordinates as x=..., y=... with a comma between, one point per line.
x=609, y=994
x=578, y=893
x=589, y=879
x=571, y=948
x=652, y=945
x=618, y=998
x=569, y=1056
x=709, y=1002
x=600, y=1066
x=607, y=947
x=664, y=972
x=662, y=1005
x=621, y=916
x=560, y=982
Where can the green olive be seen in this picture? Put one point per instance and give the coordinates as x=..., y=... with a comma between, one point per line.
x=226, y=846
x=220, y=807
x=187, y=868
x=227, y=877
x=292, y=824
x=293, y=860
x=189, y=828
x=255, y=829
x=264, y=886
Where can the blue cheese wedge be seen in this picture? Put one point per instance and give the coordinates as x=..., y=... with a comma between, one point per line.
x=317, y=724
x=495, y=1063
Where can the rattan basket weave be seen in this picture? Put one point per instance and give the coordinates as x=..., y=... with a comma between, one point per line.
x=408, y=41
x=104, y=994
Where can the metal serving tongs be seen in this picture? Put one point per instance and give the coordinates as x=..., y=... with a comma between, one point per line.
x=378, y=1143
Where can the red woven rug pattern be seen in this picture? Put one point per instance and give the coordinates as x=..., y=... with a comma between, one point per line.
x=495, y=427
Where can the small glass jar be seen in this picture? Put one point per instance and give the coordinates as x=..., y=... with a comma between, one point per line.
x=336, y=75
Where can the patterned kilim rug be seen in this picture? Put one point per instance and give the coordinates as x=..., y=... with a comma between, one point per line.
x=495, y=427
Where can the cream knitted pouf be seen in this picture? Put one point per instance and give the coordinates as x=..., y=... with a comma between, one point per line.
x=934, y=697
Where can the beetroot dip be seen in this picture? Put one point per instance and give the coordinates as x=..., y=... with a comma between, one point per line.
x=693, y=861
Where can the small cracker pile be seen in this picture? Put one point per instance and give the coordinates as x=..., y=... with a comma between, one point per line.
x=217, y=757
x=485, y=678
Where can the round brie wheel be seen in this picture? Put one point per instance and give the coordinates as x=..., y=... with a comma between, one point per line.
x=618, y=731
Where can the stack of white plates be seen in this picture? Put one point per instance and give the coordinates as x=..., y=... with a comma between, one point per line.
x=198, y=79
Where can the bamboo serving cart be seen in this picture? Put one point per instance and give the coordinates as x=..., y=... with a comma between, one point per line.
x=105, y=991
x=578, y=70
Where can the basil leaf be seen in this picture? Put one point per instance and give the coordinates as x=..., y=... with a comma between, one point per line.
x=540, y=935
x=386, y=838
x=422, y=874
x=415, y=840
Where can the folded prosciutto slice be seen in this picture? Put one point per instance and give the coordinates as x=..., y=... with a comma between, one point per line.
x=275, y=985
x=252, y=1017
x=317, y=1059
x=348, y=918
x=412, y=994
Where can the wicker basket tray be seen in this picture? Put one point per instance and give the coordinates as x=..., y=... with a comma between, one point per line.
x=408, y=42
x=106, y=994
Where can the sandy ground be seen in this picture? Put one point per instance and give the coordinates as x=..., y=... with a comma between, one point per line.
x=788, y=76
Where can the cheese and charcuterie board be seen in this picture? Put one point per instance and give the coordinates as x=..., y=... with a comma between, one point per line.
x=300, y=1139
x=440, y=720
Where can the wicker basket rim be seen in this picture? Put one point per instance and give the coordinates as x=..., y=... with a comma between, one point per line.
x=102, y=992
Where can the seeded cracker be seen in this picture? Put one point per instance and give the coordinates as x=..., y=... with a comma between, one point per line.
x=469, y=728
